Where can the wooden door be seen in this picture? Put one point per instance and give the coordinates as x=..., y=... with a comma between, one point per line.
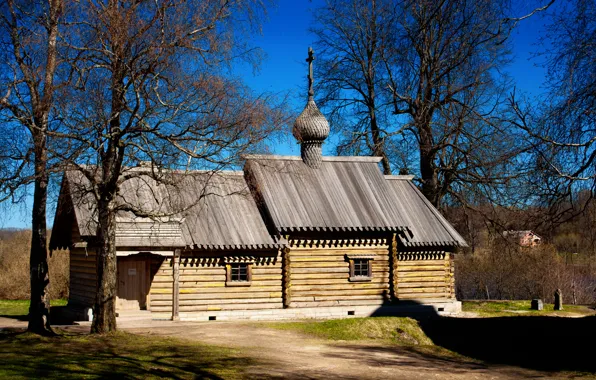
x=133, y=283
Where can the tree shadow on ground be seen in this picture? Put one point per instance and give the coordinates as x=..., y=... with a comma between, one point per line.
x=119, y=355
x=22, y=318
x=534, y=342
x=427, y=361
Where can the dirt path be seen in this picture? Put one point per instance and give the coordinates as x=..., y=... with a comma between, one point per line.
x=286, y=354
x=292, y=355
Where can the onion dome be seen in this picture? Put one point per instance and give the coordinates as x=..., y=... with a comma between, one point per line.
x=311, y=128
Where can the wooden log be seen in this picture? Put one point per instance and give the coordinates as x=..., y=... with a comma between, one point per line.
x=372, y=302
x=344, y=296
x=340, y=293
x=244, y=306
x=345, y=269
x=346, y=287
x=230, y=289
x=211, y=296
x=411, y=268
x=305, y=276
x=228, y=301
x=340, y=281
x=420, y=296
x=437, y=289
x=434, y=273
x=406, y=280
x=423, y=284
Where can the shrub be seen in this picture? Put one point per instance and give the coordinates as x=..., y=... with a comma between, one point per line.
x=14, y=267
x=514, y=273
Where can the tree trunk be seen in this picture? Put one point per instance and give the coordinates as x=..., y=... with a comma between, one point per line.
x=104, y=310
x=428, y=172
x=39, y=309
x=379, y=144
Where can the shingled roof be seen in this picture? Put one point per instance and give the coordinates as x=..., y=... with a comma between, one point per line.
x=201, y=210
x=343, y=194
x=426, y=223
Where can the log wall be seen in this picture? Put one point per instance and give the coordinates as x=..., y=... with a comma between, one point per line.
x=203, y=283
x=319, y=273
x=83, y=277
x=425, y=275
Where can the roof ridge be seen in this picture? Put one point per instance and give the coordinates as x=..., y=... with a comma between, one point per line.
x=407, y=177
x=325, y=158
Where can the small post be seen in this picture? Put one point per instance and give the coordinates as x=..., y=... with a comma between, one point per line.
x=558, y=300
x=537, y=304
x=176, y=285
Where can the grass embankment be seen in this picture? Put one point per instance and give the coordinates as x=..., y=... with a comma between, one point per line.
x=396, y=330
x=519, y=308
x=21, y=307
x=118, y=355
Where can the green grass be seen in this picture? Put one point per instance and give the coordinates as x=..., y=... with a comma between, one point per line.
x=517, y=308
x=403, y=331
x=118, y=355
x=21, y=307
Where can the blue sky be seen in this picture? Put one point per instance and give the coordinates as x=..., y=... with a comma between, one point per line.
x=285, y=40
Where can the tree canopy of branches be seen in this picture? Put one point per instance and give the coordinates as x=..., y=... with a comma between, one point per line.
x=153, y=84
x=423, y=74
x=562, y=124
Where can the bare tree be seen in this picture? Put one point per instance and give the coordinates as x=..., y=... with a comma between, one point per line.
x=154, y=85
x=426, y=74
x=29, y=33
x=562, y=124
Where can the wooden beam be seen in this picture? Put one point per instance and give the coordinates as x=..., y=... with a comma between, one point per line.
x=176, y=286
x=286, y=276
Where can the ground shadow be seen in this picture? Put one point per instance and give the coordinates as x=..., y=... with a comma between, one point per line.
x=22, y=318
x=117, y=356
x=541, y=343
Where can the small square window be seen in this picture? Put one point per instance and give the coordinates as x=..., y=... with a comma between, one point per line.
x=361, y=267
x=360, y=270
x=238, y=274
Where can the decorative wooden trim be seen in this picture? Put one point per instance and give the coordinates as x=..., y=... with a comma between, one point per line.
x=422, y=255
x=286, y=278
x=239, y=260
x=335, y=243
x=176, y=286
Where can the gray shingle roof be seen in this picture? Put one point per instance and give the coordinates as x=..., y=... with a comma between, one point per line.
x=195, y=209
x=205, y=210
x=344, y=194
x=426, y=223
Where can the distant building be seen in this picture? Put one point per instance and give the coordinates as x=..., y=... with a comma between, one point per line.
x=526, y=238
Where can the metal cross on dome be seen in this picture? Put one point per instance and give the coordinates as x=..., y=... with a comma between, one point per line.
x=311, y=57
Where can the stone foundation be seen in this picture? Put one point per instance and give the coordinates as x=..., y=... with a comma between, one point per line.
x=412, y=309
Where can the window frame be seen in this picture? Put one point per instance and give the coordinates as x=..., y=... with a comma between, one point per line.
x=352, y=259
x=231, y=282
